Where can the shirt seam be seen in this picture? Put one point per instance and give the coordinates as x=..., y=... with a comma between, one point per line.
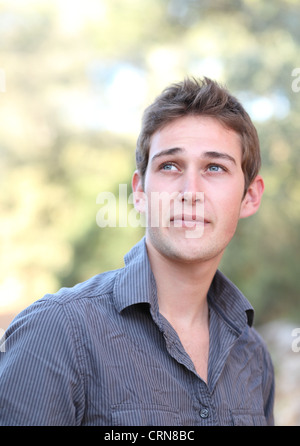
x=75, y=337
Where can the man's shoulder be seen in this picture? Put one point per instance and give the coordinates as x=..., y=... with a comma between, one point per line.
x=95, y=287
x=68, y=303
x=257, y=338
x=102, y=293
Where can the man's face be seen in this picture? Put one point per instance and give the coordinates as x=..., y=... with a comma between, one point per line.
x=196, y=162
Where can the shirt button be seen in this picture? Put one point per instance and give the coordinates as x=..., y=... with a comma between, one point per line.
x=204, y=413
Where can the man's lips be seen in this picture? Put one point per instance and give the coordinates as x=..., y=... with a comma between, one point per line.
x=185, y=220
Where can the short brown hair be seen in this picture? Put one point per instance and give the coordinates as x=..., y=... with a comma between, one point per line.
x=201, y=98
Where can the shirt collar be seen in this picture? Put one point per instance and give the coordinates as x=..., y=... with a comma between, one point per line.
x=135, y=284
x=230, y=303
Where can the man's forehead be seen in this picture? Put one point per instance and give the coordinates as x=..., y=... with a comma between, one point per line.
x=206, y=135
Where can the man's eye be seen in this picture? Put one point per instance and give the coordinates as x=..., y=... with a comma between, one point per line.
x=168, y=166
x=215, y=168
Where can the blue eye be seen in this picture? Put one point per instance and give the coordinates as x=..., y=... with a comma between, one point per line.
x=215, y=168
x=168, y=166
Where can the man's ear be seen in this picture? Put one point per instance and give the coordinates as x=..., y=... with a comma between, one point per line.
x=139, y=196
x=252, y=199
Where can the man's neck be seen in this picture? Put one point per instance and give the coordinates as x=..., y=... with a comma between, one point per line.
x=182, y=287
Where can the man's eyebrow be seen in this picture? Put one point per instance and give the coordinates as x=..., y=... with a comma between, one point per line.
x=206, y=155
x=219, y=155
x=172, y=151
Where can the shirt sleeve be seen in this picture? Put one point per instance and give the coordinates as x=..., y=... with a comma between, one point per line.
x=40, y=379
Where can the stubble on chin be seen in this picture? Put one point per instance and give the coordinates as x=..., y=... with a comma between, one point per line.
x=176, y=248
x=188, y=250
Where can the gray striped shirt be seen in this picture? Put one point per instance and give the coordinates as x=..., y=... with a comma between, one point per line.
x=100, y=353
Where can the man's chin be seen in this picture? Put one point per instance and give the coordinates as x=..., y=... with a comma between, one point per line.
x=176, y=245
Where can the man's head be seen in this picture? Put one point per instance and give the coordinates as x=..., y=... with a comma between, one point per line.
x=200, y=98
x=198, y=159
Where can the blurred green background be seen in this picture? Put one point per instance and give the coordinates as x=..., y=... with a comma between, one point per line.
x=75, y=77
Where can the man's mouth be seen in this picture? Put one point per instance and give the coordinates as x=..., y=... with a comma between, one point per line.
x=187, y=221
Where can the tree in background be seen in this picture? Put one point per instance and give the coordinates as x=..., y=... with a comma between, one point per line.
x=77, y=77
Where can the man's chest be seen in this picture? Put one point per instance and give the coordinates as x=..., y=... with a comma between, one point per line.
x=142, y=376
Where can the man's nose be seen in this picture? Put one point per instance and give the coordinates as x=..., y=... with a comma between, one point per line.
x=192, y=189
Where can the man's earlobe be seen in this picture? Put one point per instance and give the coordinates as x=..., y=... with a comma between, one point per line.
x=139, y=197
x=252, y=199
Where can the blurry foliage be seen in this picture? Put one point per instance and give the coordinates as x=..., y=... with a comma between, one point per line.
x=78, y=75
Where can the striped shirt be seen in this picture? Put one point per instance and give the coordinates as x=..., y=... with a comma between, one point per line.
x=100, y=353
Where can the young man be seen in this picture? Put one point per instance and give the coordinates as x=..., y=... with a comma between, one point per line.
x=166, y=340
